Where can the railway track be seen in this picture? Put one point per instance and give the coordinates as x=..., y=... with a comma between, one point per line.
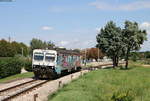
x=11, y=92
x=14, y=91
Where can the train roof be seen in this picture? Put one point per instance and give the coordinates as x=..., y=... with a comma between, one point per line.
x=44, y=50
x=58, y=51
x=71, y=52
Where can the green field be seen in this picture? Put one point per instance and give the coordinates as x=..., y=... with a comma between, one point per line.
x=108, y=85
x=17, y=76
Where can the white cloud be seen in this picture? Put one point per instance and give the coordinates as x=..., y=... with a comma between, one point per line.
x=137, y=5
x=47, y=28
x=63, y=43
x=75, y=43
x=146, y=26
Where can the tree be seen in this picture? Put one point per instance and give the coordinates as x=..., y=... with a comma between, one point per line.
x=50, y=45
x=39, y=44
x=6, y=49
x=25, y=49
x=93, y=53
x=109, y=41
x=133, y=38
x=147, y=54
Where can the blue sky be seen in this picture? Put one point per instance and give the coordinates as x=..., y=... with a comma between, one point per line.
x=69, y=23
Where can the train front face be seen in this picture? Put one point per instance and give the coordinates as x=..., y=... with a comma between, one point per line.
x=44, y=63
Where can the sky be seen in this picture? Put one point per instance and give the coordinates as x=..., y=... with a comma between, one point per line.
x=69, y=23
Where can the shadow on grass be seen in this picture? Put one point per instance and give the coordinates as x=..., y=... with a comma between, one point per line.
x=119, y=68
x=110, y=67
x=123, y=68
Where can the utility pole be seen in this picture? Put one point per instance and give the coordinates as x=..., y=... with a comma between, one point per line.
x=85, y=57
x=9, y=39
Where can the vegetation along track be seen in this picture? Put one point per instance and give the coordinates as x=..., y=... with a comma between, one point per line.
x=11, y=92
x=100, y=66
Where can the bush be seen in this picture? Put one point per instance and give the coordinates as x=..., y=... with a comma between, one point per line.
x=10, y=66
x=28, y=65
x=123, y=96
x=147, y=61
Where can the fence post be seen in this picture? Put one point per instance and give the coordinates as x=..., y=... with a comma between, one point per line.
x=35, y=96
x=60, y=82
x=71, y=77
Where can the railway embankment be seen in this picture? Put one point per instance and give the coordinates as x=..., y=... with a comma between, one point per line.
x=40, y=92
x=108, y=85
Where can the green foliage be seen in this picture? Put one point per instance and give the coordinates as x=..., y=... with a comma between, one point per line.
x=28, y=65
x=110, y=41
x=8, y=49
x=142, y=56
x=147, y=61
x=17, y=76
x=134, y=56
x=133, y=38
x=102, y=84
x=10, y=66
x=147, y=54
x=123, y=95
x=39, y=44
x=118, y=43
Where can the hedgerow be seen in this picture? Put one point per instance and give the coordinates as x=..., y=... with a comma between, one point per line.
x=10, y=66
x=28, y=65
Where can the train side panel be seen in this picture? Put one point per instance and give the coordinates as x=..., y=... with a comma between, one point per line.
x=67, y=63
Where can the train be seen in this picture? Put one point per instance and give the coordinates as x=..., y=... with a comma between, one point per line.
x=51, y=64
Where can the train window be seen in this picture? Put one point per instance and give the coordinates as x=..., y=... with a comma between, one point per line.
x=38, y=56
x=49, y=58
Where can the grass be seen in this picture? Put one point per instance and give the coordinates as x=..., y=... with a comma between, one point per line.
x=17, y=76
x=105, y=84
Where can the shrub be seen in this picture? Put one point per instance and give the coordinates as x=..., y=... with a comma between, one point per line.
x=10, y=66
x=147, y=61
x=28, y=65
x=123, y=96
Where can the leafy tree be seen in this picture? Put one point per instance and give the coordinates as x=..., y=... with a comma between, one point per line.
x=6, y=49
x=92, y=53
x=147, y=54
x=133, y=38
x=39, y=44
x=25, y=49
x=16, y=47
x=50, y=45
x=135, y=56
x=109, y=41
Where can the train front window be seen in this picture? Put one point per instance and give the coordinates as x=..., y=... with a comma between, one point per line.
x=50, y=57
x=38, y=56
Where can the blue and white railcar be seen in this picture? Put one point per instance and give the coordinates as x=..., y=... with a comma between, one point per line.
x=51, y=63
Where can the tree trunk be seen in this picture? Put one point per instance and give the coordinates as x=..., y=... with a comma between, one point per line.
x=127, y=58
x=113, y=62
x=117, y=60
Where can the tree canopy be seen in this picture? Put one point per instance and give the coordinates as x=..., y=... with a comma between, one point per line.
x=39, y=44
x=117, y=43
x=109, y=41
x=133, y=38
x=10, y=49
